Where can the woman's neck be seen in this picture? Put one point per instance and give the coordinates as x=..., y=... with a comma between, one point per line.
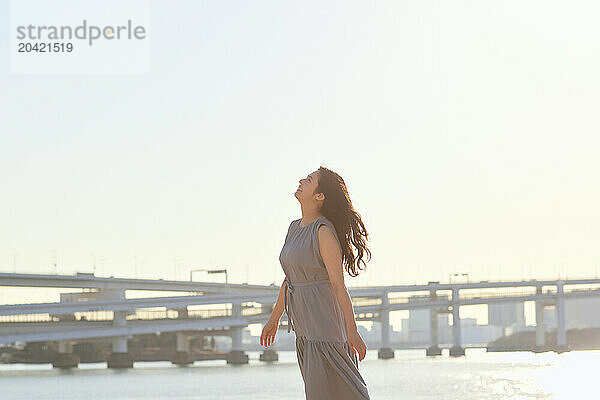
x=309, y=216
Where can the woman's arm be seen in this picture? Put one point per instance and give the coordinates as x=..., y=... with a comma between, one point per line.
x=278, y=308
x=343, y=297
x=332, y=258
x=270, y=329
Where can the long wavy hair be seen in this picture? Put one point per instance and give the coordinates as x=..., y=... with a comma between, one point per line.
x=337, y=207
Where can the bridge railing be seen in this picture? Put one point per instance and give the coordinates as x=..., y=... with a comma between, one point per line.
x=499, y=294
x=364, y=301
x=140, y=314
x=413, y=299
x=27, y=318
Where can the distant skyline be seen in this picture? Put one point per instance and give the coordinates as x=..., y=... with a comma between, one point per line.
x=466, y=133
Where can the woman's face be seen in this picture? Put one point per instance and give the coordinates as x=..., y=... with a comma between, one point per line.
x=306, y=189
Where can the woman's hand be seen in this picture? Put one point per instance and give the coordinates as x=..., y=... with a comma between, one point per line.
x=357, y=344
x=268, y=333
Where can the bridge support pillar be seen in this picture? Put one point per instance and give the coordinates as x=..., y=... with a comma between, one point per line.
x=561, y=331
x=385, y=352
x=119, y=358
x=540, y=329
x=434, y=348
x=269, y=355
x=236, y=355
x=182, y=354
x=456, y=350
x=182, y=358
x=65, y=357
x=182, y=312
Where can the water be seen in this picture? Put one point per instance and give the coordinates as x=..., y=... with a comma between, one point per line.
x=410, y=375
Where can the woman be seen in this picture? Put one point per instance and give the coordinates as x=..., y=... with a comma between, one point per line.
x=313, y=294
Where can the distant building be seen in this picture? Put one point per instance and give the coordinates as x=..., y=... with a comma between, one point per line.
x=444, y=328
x=550, y=318
x=582, y=313
x=419, y=325
x=508, y=316
x=471, y=333
x=478, y=334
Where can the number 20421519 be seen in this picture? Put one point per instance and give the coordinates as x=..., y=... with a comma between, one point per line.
x=26, y=47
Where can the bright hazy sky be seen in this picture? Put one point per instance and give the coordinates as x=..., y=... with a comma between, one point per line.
x=466, y=131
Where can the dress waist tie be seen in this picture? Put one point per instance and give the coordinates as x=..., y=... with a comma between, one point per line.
x=289, y=287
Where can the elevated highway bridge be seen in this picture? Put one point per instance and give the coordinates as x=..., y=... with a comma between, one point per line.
x=104, y=311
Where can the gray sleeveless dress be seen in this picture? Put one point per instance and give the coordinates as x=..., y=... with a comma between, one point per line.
x=328, y=364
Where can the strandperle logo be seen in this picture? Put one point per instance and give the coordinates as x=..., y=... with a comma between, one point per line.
x=83, y=31
x=80, y=36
